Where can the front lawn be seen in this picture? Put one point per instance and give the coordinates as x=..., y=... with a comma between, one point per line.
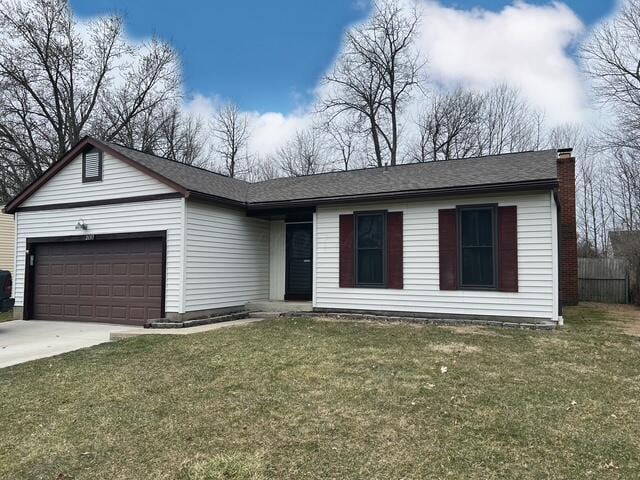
x=325, y=399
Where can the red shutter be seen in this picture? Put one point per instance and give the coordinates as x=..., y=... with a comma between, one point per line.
x=347, y=277
x=394, y=250
x=507, y=249
x=448, y=249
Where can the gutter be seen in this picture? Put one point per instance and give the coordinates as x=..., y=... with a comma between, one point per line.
x=548, y=184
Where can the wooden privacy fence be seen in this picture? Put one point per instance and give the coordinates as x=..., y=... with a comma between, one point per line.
x=603, y=280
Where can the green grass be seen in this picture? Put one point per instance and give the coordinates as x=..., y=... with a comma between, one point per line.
x=6, y=316
x=322, y=399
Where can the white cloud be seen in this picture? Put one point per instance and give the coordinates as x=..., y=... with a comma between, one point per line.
x=522, y=45
x=269, y=130
x=272, y=129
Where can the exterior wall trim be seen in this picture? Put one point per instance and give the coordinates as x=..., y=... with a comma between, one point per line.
x=96, y=203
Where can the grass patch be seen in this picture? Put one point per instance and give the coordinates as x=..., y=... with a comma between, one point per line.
x=303, y=398
x=6, y=316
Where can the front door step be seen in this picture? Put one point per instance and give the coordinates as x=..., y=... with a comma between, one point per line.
x=166, y=323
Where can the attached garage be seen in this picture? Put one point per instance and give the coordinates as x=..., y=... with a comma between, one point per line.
x=110, y=279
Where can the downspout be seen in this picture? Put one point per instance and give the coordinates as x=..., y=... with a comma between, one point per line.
x=559, y=250
x=183, y=261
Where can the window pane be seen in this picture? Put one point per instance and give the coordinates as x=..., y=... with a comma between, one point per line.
x=468, y=226
x=477, y=227
x=477, y=266
x=370, y=231
x=485, y=227
x=370, y=266
x=477, y=237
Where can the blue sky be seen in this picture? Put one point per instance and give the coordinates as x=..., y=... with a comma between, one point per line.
x=265, y=55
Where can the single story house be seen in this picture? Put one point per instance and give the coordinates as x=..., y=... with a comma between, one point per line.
x=7, y=242
x=112, y=234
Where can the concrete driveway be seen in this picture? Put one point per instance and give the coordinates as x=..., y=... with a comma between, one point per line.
x=21, y=341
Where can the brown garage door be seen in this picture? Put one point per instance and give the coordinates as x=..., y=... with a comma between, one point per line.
x=112, y=281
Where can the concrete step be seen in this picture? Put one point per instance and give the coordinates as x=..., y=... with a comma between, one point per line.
x=138, y=331
x=278, y=306
x=165, y=323
x=265, y=314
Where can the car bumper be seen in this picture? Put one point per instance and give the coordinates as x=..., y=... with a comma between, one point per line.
x=6, y=304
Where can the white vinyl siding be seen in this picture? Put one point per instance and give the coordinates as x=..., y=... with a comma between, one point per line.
x=7, y=239
x=227, y=258
x=119, y=180
x=149, y=216
x=421, y=292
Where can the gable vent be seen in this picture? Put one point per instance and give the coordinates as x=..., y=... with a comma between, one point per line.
x=92, y=166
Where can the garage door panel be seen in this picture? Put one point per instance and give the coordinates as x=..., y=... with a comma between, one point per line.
x=154, y=292
x=87, y=269
x=102, y=280
x=57, y=269
x=103, y=290
x=119, y=291
x=137, y=269
x=103, y=269
x=87, y=290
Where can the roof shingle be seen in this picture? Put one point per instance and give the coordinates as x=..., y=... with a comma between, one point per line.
x=511, y=168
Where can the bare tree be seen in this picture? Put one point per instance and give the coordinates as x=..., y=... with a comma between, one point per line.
x=508, y=123
x=58, y=83
x=376, y=73
x=182, y=138
x=465, y=123
x=231, y=134
x=261, y=168
x=343, y=137
x=302, y=155
x=612, y=59
x=448, y=129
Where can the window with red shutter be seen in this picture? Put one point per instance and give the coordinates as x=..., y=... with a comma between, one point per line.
x=448, y=248
x=395, y=261
x=478, y=248
x=371, y=250
x=508, y=249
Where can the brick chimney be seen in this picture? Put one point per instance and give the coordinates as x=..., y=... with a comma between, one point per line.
x=566, y=166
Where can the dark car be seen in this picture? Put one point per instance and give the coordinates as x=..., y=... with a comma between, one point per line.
x=6, y=285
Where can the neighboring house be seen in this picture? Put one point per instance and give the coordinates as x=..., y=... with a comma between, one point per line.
x=116, y=235
x=7, y=242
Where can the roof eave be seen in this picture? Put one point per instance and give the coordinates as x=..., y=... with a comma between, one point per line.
x=544, y=184
x=209, y=198
x=63, y=161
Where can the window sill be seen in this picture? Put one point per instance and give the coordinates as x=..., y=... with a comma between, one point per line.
x=481, y=289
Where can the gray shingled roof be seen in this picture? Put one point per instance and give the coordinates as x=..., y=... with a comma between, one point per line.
x=192, y=178
x=509, y=168
x=498, y=169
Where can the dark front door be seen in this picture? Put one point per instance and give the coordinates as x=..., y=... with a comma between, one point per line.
x=299, y=265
